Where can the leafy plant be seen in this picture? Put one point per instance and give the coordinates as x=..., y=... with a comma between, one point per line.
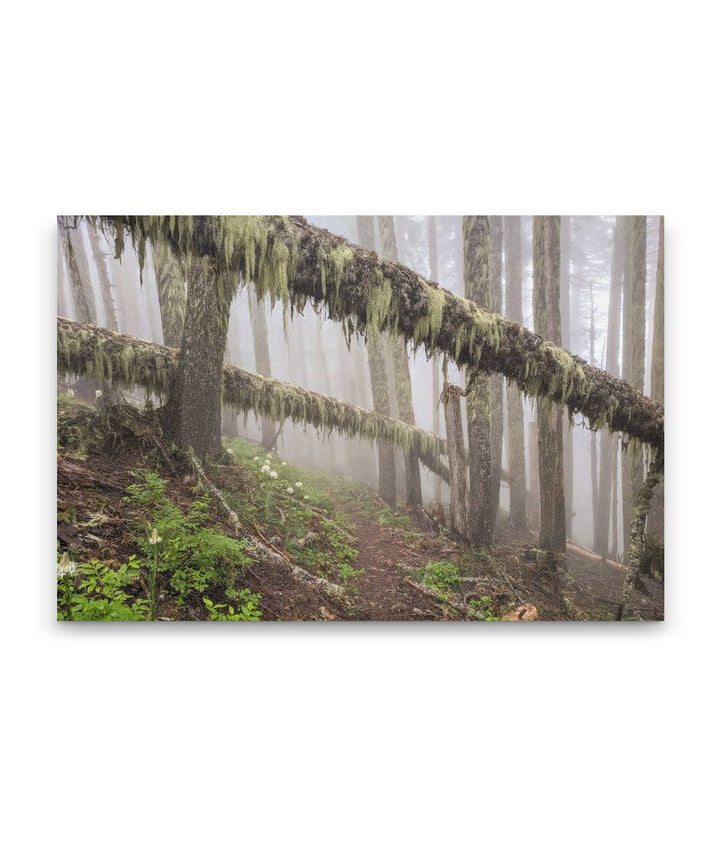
x=191, y=553
x=92, y=591
x=247, y=609
x=396, y=519
x=441, y=576
x=483, y=607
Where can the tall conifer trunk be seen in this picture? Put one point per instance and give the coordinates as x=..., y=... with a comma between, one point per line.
x=78, y=271
x=634, y=359
x=192, y=416
x=476, y=257
x=515, y=409
x=655, y=522
x=261, y=350
x=565, y=317
x=546, y=310
x=608, y=442
x=100, y=260
x=376, y=347
x=497, y=381
x=171, y=293
x=401, y=366
x=435, y=363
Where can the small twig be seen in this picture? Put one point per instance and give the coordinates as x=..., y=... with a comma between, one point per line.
x=166, y=456
x=271, y=546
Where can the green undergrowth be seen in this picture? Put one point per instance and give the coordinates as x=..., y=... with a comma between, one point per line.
x=183, y=563
x=295, y=509
x=449, y=583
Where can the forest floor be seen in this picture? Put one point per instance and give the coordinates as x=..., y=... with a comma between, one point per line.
x=303, y=545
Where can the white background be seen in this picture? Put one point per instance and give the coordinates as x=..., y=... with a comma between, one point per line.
x=359, y=739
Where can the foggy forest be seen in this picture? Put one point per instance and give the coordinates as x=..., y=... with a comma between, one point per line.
x=398, y=418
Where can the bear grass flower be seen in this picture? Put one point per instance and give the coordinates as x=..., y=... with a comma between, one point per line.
x=290, y=491
x=154, y=537
x=298, y=485
x=265, y=468
x=273, y=474
x=66, y=567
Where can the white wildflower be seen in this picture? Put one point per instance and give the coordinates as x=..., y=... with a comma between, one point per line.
x=256, y=459
x=298, y=485
x=306, y=497
x=283, y=463
x=230, y=452
x=154, y=538
x=98, y=394
x=273, y=474
x=71, y=393
x=290, y=491
x=265, y=469
x=66, y=567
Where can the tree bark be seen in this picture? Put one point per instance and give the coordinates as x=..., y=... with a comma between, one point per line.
x=192, y=416
x=261, y=350
x=403, y=385
x=565, y=321
x=100, y=259
x=656, y=518
x=456, y=459
x=78, y=272
x=634, y=358
x=608, y=442
x=515, y=408
x=546, y=310
x=376, y=347
x=497, y=381
x=435, y=363
x=476, y=259
x=171, y=293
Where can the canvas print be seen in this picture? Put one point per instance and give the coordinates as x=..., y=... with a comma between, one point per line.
x=360, y=418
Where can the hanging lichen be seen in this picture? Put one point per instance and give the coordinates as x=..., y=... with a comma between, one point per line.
x=293, y=262
x=83, y=349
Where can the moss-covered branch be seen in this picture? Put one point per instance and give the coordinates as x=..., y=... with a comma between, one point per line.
x=294, y=261
x=84, y=349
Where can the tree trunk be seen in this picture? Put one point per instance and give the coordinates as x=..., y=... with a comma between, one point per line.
x=634, y=358
x=565, y=318
x=78, y=272
x=63, y=308
x=476, y=259
x=456, y=459
x=515, y=408
x=261, y=349
x=192, y=416
x=100, y=259
x=171, y=293
x=656, y=518
x=534, y=481
x=379, y=383
x=497, y=381
x=403, y=386
x=435, y=364
x=546, y=310
x=608, y=442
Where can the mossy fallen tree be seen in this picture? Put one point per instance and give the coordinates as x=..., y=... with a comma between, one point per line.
x=295, y=262
x=83, y=349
